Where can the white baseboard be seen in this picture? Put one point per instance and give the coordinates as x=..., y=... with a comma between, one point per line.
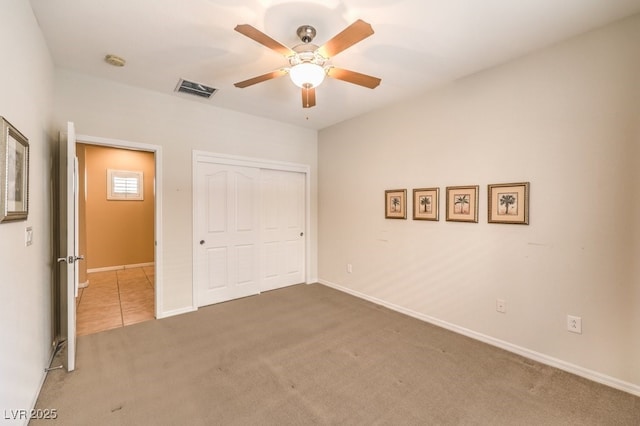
x=180, y=311
x=119, y=267
x=527, y=353
x=34, y=400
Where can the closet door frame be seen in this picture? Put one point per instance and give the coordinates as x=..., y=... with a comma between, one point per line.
x=258, y=163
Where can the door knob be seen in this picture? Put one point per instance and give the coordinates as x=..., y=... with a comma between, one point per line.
x=70, y=259
x=201, y=242
x=302, y=234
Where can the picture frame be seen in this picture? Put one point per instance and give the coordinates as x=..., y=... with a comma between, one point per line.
x=508, y=203
x=426, y=203
x=395, y=204
x=14, y=169
x=462, y=203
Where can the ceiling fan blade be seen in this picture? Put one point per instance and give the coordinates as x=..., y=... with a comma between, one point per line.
x=257, y=35
x=351, y=35
x=260, y=78
x=354, y=77
x=308, y=97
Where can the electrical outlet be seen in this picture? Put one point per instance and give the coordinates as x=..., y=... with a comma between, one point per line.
x=501, y=306
x=574, y=324
x=349, y=268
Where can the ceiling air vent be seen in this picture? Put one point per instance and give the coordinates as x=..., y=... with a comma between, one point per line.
x=197, y=89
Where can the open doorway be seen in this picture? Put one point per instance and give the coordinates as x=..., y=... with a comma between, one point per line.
x=116, y=236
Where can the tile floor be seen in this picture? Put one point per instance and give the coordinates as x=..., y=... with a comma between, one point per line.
x=115, y=299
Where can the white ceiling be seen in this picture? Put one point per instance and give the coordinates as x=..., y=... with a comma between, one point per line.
x=418, y=45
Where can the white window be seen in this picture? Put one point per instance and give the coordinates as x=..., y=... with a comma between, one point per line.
x=124, y=185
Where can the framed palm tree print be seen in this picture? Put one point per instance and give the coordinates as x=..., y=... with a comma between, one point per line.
x=509, y=203
x=462, y=203
x=395, y=204
x=425, y=203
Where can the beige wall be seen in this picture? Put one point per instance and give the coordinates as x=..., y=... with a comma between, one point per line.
x=118, y=232
x=566, y=119
x=26, y=272
x=104, y=109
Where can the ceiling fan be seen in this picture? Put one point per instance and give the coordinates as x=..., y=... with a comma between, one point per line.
x=308, y=63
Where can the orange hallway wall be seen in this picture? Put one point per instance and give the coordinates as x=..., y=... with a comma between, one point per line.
x=118, y=232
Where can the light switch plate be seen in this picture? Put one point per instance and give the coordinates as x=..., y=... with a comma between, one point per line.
x=28, y=236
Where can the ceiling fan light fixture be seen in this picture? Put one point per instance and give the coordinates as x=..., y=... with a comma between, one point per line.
x=310, y=64
x=307, y=75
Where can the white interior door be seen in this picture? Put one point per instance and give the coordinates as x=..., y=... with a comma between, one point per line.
x=283, y=244
x=227, y=229
x=68, y=242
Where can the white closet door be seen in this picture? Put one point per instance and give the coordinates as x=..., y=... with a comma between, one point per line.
x=282, y=228
x=227, y=224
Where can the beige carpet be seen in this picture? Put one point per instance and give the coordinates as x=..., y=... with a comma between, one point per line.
x=309, y=354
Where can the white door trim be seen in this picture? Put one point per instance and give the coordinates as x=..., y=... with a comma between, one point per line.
x=260, y=163
x=157, y=150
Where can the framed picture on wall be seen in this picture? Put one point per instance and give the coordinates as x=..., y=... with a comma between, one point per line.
x=14, y=169
x=509, y=203
x=426, y=203
x=462, y=203
x=395, y=204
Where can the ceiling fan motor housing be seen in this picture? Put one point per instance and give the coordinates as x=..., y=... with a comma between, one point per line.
x=306, y=33
x=306, y=53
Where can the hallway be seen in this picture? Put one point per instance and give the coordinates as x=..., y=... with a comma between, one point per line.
x=115, y=299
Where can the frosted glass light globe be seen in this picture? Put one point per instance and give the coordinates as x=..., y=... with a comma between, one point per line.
x=307, y=75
